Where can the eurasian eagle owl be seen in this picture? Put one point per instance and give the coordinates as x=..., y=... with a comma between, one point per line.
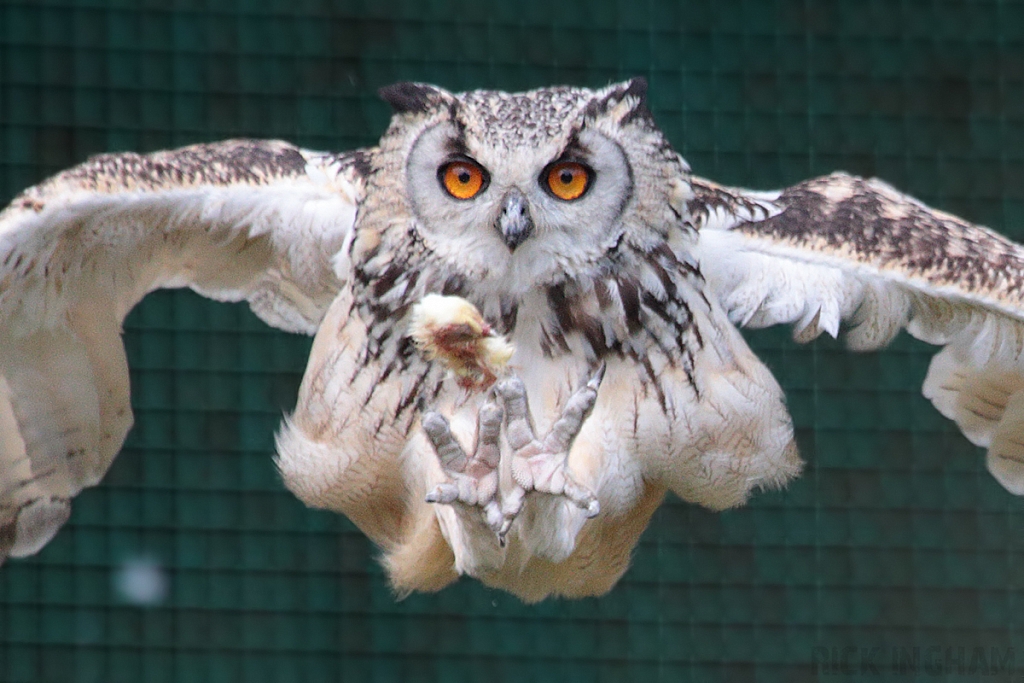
x=572, y=228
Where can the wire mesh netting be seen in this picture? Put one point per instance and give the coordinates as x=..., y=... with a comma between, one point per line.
x=191, y=563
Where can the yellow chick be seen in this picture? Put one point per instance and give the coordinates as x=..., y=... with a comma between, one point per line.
x=452, y=330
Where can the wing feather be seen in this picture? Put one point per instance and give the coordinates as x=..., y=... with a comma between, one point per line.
x=842, y=249
x=249, y=220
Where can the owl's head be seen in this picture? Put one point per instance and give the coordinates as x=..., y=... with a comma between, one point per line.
x=520, y=189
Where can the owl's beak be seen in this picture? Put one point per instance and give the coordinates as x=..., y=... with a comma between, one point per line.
x=514, y=222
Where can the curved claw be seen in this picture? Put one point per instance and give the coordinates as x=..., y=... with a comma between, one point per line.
x=582, y=497
x=511, y=506
x=445, y=493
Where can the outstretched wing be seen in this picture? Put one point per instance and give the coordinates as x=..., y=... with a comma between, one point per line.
x=238, y=220
x=842, y=249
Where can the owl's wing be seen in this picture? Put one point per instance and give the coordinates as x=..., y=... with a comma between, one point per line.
x=238, y=220
x=841, y=250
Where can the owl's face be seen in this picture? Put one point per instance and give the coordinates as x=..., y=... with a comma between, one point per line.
x=516, y=190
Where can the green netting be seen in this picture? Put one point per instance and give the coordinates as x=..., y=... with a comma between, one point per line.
x=894, y=537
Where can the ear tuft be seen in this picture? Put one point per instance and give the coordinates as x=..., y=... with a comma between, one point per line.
x=625, y=101
x=637, y=87
x=412, y=98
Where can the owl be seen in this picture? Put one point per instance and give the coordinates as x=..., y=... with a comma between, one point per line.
x=559, y=224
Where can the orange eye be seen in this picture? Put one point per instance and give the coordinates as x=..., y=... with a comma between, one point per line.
x=463, y=179
x=568, y=180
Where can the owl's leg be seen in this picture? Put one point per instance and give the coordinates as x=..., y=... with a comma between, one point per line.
x=472, y=479
x=540, y=464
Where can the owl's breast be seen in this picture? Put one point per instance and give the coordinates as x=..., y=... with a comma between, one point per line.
x=684, y=403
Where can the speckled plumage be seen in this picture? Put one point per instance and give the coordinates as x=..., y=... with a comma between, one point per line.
x=628, y=380
x=869, y=222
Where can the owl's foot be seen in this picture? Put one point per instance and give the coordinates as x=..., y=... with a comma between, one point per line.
x=472, y=479
x=540, y=464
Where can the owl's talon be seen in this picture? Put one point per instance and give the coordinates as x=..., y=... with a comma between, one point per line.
x=511, y=506
x=472, y=479
x=541, y=464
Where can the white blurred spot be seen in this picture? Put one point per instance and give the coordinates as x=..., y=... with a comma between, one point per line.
x=142, y=581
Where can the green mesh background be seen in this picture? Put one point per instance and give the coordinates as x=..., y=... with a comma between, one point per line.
x=894, y=537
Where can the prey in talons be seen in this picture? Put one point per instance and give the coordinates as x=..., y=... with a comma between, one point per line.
x=451, y=330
